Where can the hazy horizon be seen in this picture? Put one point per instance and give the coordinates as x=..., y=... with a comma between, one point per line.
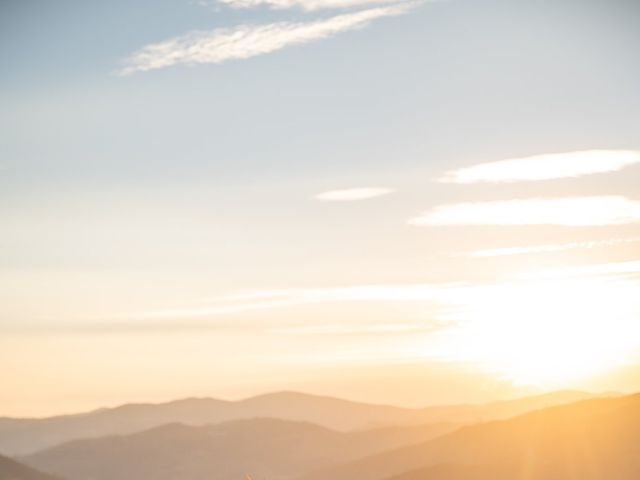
x=523, y=395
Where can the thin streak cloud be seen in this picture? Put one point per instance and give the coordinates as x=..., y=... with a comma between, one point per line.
x=246, y=41
x=270, y=299
x=384, y=329
x=631, y=268
x=500, y=252
x=352, y=194
x=571, y=211
x=308, y=5
x=545, y=167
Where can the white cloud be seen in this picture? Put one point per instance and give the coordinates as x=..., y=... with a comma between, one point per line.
x=545, y=167
x=571, y=211
x=309, y=5
x=246, y=41
x=352, y=194
x=499, y=252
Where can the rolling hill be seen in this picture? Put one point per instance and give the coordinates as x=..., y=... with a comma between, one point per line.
x=12, y=470
x=589, y=440
x=264, y=448
x=24, y=436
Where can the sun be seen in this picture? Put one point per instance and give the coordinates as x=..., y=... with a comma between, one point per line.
x=548, y=332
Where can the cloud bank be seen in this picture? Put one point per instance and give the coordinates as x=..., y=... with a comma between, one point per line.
x=544, y=167
x=571, y=211
x=246, y=41
x=352, y=194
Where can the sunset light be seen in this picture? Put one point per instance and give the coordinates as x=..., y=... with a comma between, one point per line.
x=320, y=240
x=548, y=332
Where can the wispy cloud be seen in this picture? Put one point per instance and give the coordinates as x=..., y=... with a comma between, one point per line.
x=269, y=299
x=500, y=252
x=246, y=41
x=385, y=329
x=309, y=5
x=545, y=167
x=571, y=211
x=352, y=194
x=215, y=312
x=599, y=269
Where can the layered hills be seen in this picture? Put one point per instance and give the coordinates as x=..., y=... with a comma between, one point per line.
x=24, y=436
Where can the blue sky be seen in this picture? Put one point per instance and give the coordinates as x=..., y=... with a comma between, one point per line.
x=141, y=198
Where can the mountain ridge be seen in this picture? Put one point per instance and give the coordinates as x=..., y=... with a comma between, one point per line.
x=602, y=434
x=266, y=447
x=11, y=469
x=24, y=436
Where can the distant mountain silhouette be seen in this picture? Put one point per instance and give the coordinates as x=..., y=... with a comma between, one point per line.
x=24, y=436
x=12, y=470
x=264, y=448
x=588, y=440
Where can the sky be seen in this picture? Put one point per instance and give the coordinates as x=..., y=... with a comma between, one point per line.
x=398, y=201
